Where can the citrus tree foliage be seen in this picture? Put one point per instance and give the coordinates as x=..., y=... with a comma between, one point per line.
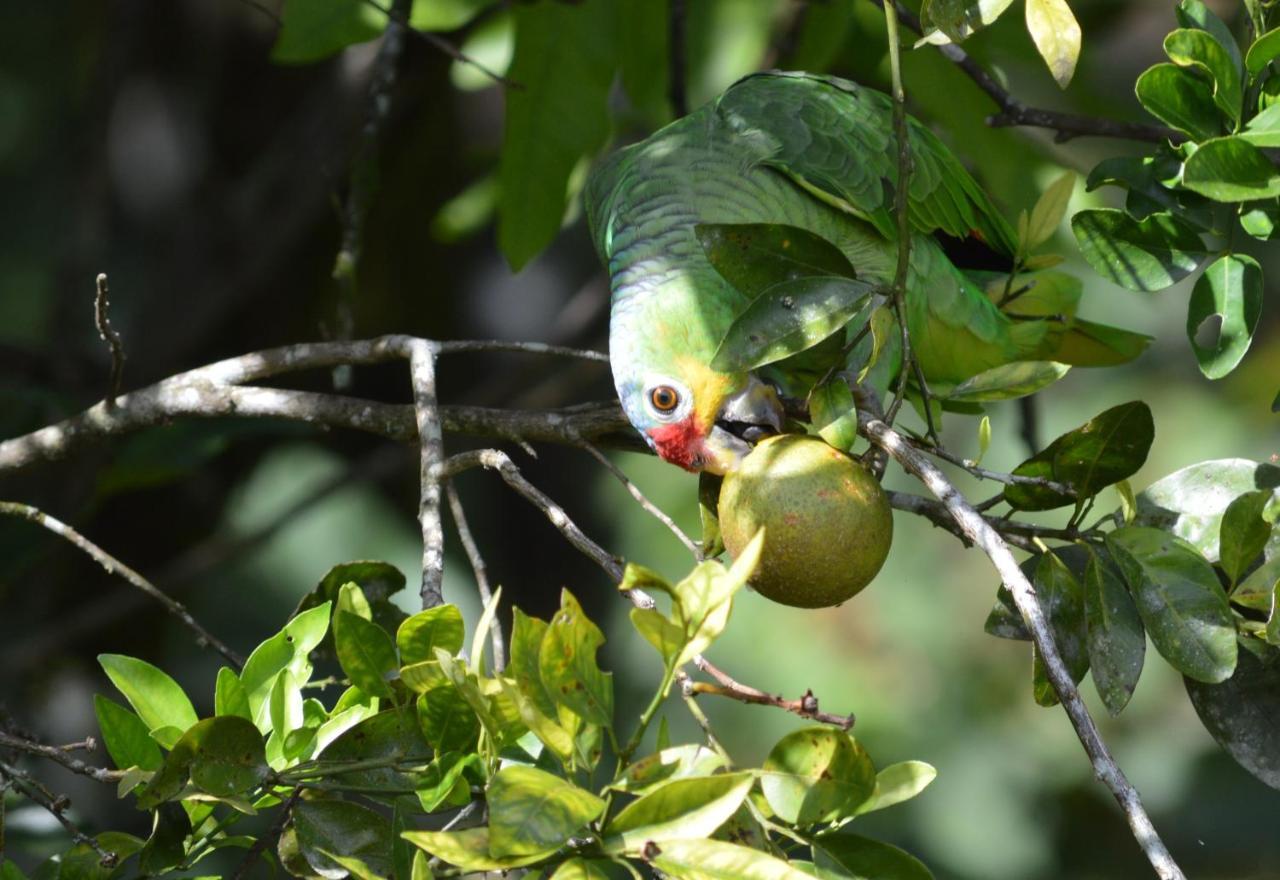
x=421, y=725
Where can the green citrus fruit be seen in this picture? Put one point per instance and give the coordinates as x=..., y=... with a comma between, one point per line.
x=827, y=521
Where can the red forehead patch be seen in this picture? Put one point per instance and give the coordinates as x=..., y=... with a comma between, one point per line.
x=679, y=443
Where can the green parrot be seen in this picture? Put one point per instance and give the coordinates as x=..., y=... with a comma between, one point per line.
x=808, y=151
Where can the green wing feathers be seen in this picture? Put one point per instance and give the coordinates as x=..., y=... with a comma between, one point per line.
x=836, y=139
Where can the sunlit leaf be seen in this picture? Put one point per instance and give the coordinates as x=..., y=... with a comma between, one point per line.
x=227, y=755
x=955, y=20
x=816, y=774
x=157, y=698
x=664, y=765
x=288, y=648
x=229, y=695
x=366, y=653
x=447, y=721
x=834, y=415
x=1178, y=596
x=1144, y=255
x=125, y=736
x=1049, y=210
x=468, y=849
x=897, y=783
x=1230, y=294
x=681, y=808
x=1056, y=34
x=1231, y=169
x=1264, y=50
x=1188, y=47
x=1008, y=381
x=1180, y=99
x=532, y=811
x=567, y=662
x=702, y=859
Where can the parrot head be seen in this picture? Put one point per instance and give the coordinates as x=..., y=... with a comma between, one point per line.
x=695, y=417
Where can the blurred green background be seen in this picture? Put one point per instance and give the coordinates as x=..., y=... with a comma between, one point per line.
x=154, y=140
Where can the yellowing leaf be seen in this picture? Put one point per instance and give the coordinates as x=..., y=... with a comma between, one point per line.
x=1056, y=34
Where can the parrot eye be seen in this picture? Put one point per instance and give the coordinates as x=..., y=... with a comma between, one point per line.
x=664, y=398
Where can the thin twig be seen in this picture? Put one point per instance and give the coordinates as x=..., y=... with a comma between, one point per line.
x=441, y=44
x=56, y=807
x=494, y=459
x=59, y=755
x=262, y=7
x=268, y=837
x=985, y=537
x=648, y=506
x=422, y=372
x=805, y=706
x=481, y=572
x=115, y=566
x=109, y=335
x=985, y=474
x=454, y=346
x=1014, y=113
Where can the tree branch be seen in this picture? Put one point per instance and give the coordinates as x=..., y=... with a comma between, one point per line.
x=115, y=566
x=56, y=807
x=108, y=334
x=60, y=756
x=985, y=537
x=1015, y=113
x=805, y=706
x=422, y=372
x=481, y=572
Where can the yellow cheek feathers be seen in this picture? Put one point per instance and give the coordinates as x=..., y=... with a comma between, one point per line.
x=709, y=389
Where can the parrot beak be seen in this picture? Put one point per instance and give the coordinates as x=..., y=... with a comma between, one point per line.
x=745, y=418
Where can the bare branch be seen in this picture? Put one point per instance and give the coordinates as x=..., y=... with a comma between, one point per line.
x=649, y=507
x=481, y=572
x=494, y=459
x=115, y=566
x=455, y=346
x=56, y=807
x=422, y=371
x=108, y=334
x=60, y=756
x=982, y=473
x=805, y=706
x=982, y=535
x=1014, y=113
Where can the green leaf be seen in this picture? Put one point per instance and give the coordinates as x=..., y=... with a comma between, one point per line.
x=229, y=695
x=790, y=317
x=897, y=783
x=421, y=634
x=1198, y=49
x=436, y=786
x=352, y=600
x=346, y=829
x=1110, y=447
x=480, y=637
x=585, y=869
x=422, y=677
x=834, y=415
x=754, y=257
x=126, y=736
x=1180, y=99
x=691, y=807
x=676, y=762
x=816, y=774
x=547, y=727
x=1264, y=50
x=366, y=653
x=1049, y=210
x=1180, y=601
x=564, y=62
x=1086, y=344
x=527, y=635
x=1260, y=222
x=227, y=755
x=468, y=849
x=1241, y=714
x=1231, y=169
x=447, y=721
x=157, y=698
x=701, y=859
x=709, y=513
x=1244, y=532
x=1008, y=381
x=1141, y=255
x=388, y=738
x=1148, y=179
x=532, y=811
x=1190, y=502
x=289, y=649
x=1056, y=34
x=1195, y=14
x=1263, y=130
x=861, y=858
x=1117, y=642
x=704, y=599
x=1230, y=293
x=164, y=848
x=1062, y=599
x=315, y=29
x=567, y=663
x=984, y=438
x=956, y=20
x=421, y=867
x=444, y=15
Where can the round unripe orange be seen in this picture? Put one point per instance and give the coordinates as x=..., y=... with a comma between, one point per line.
x=827, y=522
